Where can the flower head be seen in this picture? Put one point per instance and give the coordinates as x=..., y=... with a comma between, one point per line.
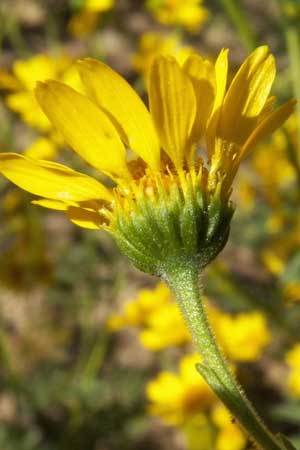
x=243, y=337
x=137, y=311
x=171, y=200
x=230, y=436
x=178, y=397
x=85, y=21
x=153, y=44
x=20, y=84
x=185, y=400
x=293, y=361
x=189, y=14
x=19, y=87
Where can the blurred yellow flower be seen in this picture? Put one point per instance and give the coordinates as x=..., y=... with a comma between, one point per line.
x=230, y=436
x=185, y=400
x=137, y=311
x=86, y=20
x=273, y=175
x=152, y=44
x=190, y=14
x=272, y=261
x=291, y=291
x=158, y=317
x=242, y=337
x=165, y=328
x=98, y=5
x=186, y=103
x=20, y=97
x=292, y=359
x=176, y=398
x=42, y=148
x=284, y=243
x=291, y=8
x=25, y=74
x=271, y=162
x=246, y=194
x=199, y=433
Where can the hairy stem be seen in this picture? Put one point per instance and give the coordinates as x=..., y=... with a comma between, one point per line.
x=183, y=280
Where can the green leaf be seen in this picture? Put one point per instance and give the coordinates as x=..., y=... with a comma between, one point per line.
x=287, y=412
x=287, y=444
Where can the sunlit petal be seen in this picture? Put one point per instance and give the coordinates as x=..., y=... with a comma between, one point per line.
x=84, y=126
x=51, y=180
x=247, y=95
x=126, y=110
x=173, y=106
x=84, y=218
x=269, y=124
x=221, y=71
x=202, y=73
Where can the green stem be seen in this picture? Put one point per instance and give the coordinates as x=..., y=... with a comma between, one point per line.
x=237, y=16
x=183, y=280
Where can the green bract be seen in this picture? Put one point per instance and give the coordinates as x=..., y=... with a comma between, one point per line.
x=173, y=226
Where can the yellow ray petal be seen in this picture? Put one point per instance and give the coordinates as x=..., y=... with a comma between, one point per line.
x=41, y=148
x=84, y=218
x=221, y=71
x=269, y=124
x=247, y=96
x=173, y=107
x=84, y=126
x=39, y=67
x=202, y=73
x=51, y=180
x=25, y=104
x=126, y=110
x=51, y=204
x=268, y=108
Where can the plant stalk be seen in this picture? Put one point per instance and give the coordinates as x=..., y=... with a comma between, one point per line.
x=183, y=279
x=236, y=14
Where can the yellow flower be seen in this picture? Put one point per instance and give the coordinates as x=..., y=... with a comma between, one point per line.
x=86, y=20
x=41, y=148
x=177, y=398
x=291, y=291
x=284, y=244
x=152, y=44
x=292, y=359
x=165, y=328
x=136, y=312
x=271, y=162
x=158, y=317
x=230, y=436
x=199, y=433
x=291, y=8
x=25, y=74
x=184, y=399
x=242, y=337
x=190, y=14
x=98, y=5
x=272, y=261
x=186, y=104
x=246, y=194
x=21, y=99
x=293, y=356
